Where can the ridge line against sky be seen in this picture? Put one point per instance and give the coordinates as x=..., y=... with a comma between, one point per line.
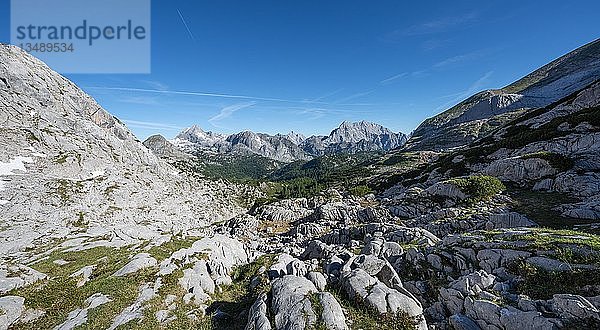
x=279, y=66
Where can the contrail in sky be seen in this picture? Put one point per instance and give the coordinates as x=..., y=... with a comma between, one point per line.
x=186, y=26
x=229, y=96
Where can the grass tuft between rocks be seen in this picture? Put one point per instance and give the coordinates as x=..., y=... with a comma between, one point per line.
x=538, y=283
x=236, y=299
x=364, y=317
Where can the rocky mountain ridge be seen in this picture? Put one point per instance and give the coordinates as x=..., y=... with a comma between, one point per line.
x=478, y=115
x=67, y=165
x=347, y=138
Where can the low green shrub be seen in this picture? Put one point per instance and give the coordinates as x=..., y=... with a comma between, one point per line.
x=360, y=190
x=558, y=161
x=478, y=187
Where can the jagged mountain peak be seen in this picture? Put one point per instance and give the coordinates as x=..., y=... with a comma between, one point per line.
x=362, y=125
x=353, y=137
x=349, y=132
x=295, y=137
x=196, y=135
x=194, y=129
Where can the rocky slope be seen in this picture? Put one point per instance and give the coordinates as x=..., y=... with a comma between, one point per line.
x=347, y=138
x=481, y=113
x=67, y=166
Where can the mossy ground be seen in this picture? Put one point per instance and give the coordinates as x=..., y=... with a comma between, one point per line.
x=541, y=239
x=58, y=295
x=558, y=161
x=568, y=246
x=360, y=190
x=538, y=283
x=165, y=250
x=541, y=208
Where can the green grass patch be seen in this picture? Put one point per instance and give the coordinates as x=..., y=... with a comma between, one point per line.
x=364, y=317
x=538, y=283
x=59, y=294
x=547, y=239
x=170, y=285
x=540, y=207
x=518, y=136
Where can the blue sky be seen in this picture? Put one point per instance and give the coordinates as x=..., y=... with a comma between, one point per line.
x=276, y=66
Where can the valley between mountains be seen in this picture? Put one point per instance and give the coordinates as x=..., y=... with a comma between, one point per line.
x=487, y=216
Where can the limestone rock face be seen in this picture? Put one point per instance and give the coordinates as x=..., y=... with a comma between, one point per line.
x=140, y=261
x=14, y=277
x=574, y=306
x=520, y=170
x=163, y=148
x=12, y=308
x=257, y=316
x=298, y=304
x=67, y=164
x=354, y=137
x=291, y=305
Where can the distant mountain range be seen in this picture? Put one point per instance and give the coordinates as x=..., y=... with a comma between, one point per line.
x=458, y=126
x=347, y=138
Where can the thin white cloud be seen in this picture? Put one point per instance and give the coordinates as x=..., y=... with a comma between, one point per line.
x=432, y=27
x=171, y=92
x=151, y=125
x=355, y=96
x=186, y=25
x=419, y=74
x=473, y=88
x=459, y=58
x=156, y=85
x=322, y=97
x=228, y=111
x=393, y=78
x=440, y=25
x=139, y=100
x=313, y=113
x=431, y=44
